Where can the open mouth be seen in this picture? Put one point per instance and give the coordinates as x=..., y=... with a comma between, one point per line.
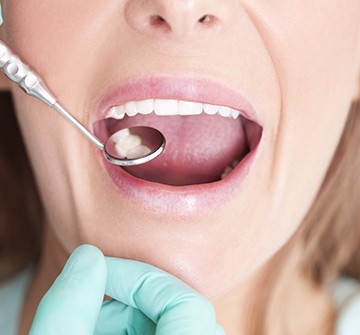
x=205, y=142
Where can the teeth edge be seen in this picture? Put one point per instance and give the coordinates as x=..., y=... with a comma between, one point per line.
x=169, y=107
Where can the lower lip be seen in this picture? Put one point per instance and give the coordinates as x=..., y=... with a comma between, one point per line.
x=181, y=201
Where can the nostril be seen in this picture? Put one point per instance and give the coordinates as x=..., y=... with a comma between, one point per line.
x=207, y=19
x=157, y=20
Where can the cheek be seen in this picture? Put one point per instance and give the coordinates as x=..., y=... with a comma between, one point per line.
x=315, y=49
x=62, y=44
x=41, y=132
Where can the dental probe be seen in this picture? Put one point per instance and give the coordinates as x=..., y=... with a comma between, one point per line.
x=127, y=147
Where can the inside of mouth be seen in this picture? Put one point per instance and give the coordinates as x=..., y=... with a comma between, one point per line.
x=199, y=148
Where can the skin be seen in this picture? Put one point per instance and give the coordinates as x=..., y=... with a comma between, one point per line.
x=298, y=62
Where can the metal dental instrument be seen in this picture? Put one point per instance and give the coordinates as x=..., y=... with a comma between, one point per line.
x=127, y=147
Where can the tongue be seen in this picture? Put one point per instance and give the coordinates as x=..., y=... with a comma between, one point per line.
x=198, y=148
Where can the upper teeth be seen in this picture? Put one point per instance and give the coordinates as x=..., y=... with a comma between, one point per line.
x=169, y=107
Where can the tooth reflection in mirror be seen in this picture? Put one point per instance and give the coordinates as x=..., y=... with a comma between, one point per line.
x=134, y=146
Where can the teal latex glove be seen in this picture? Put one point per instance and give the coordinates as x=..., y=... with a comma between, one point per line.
x=145, y=301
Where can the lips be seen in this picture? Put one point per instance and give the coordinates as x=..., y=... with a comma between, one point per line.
x=203, y=150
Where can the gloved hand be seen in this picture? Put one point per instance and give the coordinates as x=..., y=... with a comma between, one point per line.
x=146, y=300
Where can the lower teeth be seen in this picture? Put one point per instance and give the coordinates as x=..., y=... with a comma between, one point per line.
x=229, y=168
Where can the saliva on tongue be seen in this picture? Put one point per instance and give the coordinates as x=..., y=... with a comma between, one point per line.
x=198, y=148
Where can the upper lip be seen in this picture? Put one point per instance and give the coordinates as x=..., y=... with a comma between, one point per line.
x=187, y=89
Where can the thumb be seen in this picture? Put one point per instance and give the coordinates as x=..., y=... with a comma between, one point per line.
x=72, y=304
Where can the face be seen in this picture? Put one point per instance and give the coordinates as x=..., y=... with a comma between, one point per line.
x=289, y=68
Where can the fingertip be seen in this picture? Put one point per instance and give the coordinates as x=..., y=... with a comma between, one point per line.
x=84, y=257
x=88, y=248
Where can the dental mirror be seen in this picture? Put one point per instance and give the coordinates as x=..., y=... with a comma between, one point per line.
x=126, y=147
x=134, y=146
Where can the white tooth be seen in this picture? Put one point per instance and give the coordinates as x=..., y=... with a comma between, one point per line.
x=131, y=108
x=120, y=135
x=165, y=107
x=226, y=172
x=117, y=112
x=229, y=168
x=145, y=106
x=225, y=111
x=139, y=151
x=235, y=114
x=125, y=143
x=210, y=109
x=189, y=108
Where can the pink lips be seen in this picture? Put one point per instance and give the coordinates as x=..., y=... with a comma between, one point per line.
x=178, y=200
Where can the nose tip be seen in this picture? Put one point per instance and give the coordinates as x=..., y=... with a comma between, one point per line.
x=177, y=18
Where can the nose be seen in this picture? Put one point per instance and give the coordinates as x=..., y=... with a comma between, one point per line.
x=177, y=18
